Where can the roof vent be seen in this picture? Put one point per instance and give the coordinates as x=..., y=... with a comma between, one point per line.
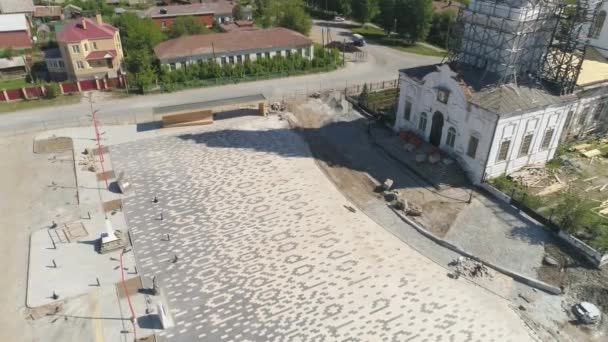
x=83, y=23
x=162, y=11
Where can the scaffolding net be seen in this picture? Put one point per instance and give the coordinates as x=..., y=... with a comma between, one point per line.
x=518, y=41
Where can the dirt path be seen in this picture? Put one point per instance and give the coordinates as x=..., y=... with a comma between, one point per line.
x=27, y=204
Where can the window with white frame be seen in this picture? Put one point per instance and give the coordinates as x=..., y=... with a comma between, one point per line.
x=407, y=113
x=472, y=148
x=75, y=49
x=422, y=122
x=80, y=65
x=583, y=116
x=598, y=23
x=451, y=137
x=503, y=150
x=547, y=138
x=86, y=47
x=526, y=143
x=94, y=45
x=598, y=110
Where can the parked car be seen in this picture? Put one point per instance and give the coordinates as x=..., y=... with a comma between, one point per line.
x=587, y=313
x=358, y=40
x=339, y=19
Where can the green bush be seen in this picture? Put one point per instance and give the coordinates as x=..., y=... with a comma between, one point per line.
x=214, y=73
x=51, y=90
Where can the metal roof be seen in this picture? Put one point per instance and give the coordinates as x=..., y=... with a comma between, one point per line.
x=13, y=22
x=485, y=93
x=16, y=6
x=209, y=104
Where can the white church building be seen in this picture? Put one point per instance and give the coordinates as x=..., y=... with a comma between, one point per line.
x=490, y=131
x=510, y=92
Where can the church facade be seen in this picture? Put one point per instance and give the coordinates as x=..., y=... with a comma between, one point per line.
x=489, y=131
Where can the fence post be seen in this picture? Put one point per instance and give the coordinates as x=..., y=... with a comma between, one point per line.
x=24, y=93
x=78, y=86
x=5, y=94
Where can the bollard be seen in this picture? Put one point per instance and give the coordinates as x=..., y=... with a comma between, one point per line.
x=54, y=264
x=168, y=237
x=55, y=296
x=98, y=283
x=155, y=200
x=89, y=214
x=54, y=245
x=161, y=215
x=54, y=224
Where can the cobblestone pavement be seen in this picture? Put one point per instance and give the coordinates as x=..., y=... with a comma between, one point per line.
x=268, y=250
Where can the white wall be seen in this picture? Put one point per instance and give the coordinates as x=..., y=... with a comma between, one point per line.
x=601, y=42
x=516, y=127
x=252, y=56
x=468, y=120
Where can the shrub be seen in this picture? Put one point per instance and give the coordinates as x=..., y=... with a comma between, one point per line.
x=51, y=90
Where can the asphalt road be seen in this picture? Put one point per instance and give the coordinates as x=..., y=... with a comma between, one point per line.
x=382, y=64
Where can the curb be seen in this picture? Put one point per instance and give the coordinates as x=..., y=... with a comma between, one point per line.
x=515, y=275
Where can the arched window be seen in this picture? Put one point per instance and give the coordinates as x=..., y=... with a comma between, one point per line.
x=598, y=23
x=451, y=137
x=422, y=122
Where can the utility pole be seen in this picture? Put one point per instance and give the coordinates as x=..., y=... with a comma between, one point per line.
x=98, y=138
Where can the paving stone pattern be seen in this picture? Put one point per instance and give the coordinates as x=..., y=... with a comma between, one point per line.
x=266, y=250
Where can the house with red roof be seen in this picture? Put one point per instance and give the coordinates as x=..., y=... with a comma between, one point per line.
x=88, y=49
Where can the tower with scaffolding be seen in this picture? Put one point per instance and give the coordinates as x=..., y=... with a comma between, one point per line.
x=523, y=41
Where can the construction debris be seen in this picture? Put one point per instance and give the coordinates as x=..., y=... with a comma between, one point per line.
x=388, y=184
x=553, y=188
x=470, y=268
x=530, y=175
x=592, y=153
x=413, y=210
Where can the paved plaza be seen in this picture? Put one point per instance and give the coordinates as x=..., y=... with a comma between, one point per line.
x=268, y=250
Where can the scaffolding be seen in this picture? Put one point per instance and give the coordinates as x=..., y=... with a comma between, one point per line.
x=523, y=40
x=564, y=58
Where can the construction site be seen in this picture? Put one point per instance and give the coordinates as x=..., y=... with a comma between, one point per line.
x=246, y=218
x=310, y=217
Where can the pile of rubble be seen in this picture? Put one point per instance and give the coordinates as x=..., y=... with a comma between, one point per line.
x=392, y=197
x=469, y=268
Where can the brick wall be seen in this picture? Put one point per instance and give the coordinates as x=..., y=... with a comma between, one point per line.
x=15, y=39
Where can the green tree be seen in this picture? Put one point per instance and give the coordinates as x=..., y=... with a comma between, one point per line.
x=137, y=33
x=139, y=37
x=364, y=96
x=185, y=26
x=286, y=13
x=96, y=6
x=440, y=28
x=386, y=15
x=237, y=12
x=413, y=19
x=140, y=64
x=364, y=10
x=573, y=213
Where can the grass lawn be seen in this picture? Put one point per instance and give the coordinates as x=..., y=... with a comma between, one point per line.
x=12, y=84
x=376, y=35
x=29, y=104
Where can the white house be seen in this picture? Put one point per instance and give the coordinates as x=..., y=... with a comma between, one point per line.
x=233, y=47
x=489, y=129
